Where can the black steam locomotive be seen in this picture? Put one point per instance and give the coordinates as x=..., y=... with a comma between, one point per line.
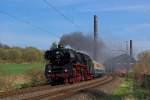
x=67, y=66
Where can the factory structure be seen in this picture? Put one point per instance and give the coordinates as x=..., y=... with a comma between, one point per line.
x=124, y=61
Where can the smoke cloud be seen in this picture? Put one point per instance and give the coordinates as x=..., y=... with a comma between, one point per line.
x=84, y=43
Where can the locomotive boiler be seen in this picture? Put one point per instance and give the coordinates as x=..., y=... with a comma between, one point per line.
x=67, y=66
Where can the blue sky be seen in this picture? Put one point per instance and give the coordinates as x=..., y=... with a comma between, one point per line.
x=119, y=20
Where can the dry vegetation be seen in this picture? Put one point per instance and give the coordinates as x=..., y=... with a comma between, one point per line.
x=143, y=65
x=32, y=77
x=141, y=76
x=6, y=82
x=142, y=69
x=36, y=77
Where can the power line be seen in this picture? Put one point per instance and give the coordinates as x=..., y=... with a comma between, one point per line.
x=59, y=12
x=24, y=21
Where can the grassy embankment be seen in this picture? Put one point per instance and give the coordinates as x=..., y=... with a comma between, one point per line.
x=130, y=90
x=125, y=89
x=16, y=76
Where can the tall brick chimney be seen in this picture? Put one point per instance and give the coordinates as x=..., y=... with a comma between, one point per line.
x=95, y=37
x=131, y=48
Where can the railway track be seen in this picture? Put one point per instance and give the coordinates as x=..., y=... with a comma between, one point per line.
x=57, y=92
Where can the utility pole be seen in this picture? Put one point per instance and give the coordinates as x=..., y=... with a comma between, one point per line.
x=127, y=47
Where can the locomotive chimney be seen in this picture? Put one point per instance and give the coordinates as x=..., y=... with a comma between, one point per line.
x=95, y=36
x=131, y=49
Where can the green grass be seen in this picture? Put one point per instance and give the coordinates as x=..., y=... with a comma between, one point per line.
x=125, y=88
x=130, y=88
x=16, y=69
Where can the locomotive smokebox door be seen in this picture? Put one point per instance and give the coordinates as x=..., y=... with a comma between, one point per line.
x=60, y=46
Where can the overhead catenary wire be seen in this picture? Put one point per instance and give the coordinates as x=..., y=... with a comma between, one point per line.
x=59, y=12
x=25, y=21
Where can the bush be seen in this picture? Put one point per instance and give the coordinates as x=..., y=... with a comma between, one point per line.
x=6, y=81
x=36, y=77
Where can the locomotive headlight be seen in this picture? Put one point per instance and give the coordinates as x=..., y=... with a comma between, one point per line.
x=49, y=71
x=65, y=70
